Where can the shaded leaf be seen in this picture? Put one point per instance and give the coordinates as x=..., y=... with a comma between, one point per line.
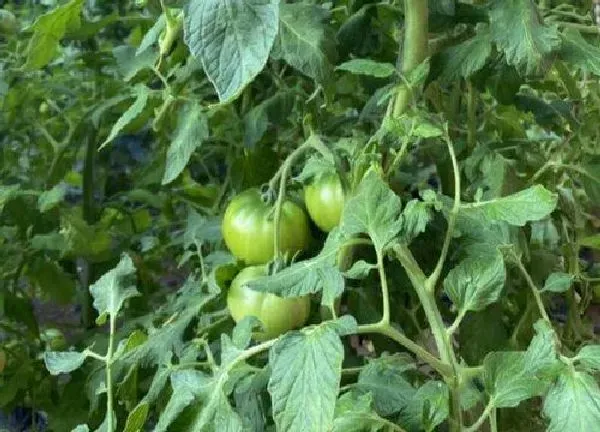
x=191, y=132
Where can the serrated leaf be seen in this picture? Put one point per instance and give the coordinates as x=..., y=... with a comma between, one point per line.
x=305, y=379
x=511, y=377
x=373, y=210
x=428, y=408
x=141, y=98
x=530, y=204
x=310, y=276
x=151, y=36
x=242, y=332
x=573, y=403
x=579, y=53
x=468, y=57
x=114, y=288
x=529, y=41
x=63, y=362
x=51, y=198
x=589, y=357
x=558, y=282
x=231, y=39
x=48, y=30
x=301, y=39
x=191, y=132
x=506, y=381
x=136, y=418
x=368, y=67
x=384, y=379
x=353, y=413
x=129, y=63
x=415, y=217
x=476, y=281
x=359, y=270
x=187, y=384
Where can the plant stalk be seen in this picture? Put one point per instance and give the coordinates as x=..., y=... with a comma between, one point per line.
x=415, y=48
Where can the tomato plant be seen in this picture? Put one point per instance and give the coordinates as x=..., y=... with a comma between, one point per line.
x=277, y=315
x=324, y=199
x=151, y=148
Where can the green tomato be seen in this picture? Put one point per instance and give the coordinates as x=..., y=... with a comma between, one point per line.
x=248, y=228
x=325, y=201
x=8, y=22
x=277, y=314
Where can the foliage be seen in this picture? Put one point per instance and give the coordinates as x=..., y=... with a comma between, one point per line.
x=456, y=292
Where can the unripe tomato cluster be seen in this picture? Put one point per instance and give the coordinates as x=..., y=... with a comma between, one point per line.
x=248, y=230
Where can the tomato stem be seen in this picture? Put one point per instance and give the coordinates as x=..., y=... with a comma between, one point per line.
x=281, y=176
x=435, y=275
x=109, y=384
x=415, y=48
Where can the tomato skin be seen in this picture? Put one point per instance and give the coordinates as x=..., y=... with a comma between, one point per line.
x=325, y=201
x=277, y=314
x=248, y=228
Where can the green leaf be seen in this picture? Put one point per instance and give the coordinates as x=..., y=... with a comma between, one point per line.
x=301, y=39
x=528, y=41
x=48, y=30
x=129, y=63
x=507, y=381
x=81, y=428
x=579, y=53
x=63, y=362
x=274, y=110
x=141, y=98
x=51, y=279
x=113, y=289
x=589, y=357
x=191, y=132
x=310, y=276
x=8, y=193
x=530, y=204
x=511, y=377
x=136, y=418
x=476, y=281
x=187, y=384
x=305, y=379
x=573, y=403
x=415, y=217
x=359, y=270
x=468, y=57
x=353, y=413
x=151, y=36
x=368, y=67
x=428, y=408
x=50, y=199
x=384, y=379
x=591, y=241
x=373, y=210
x=558, y=282
x=231, y=39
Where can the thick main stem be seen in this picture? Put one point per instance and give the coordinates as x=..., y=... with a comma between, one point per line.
x=438, y=329
x=415, y=48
